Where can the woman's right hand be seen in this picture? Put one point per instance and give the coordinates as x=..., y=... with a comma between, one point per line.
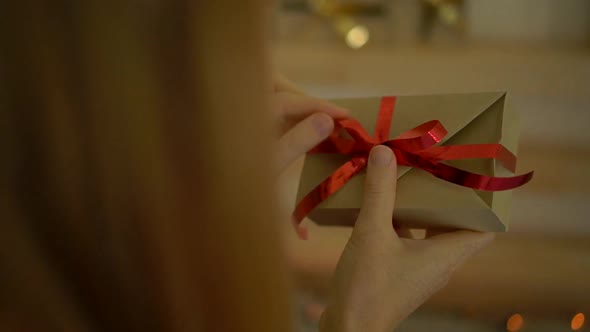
x=381, y=277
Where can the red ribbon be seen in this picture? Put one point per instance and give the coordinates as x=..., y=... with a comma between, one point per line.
x=414, y=148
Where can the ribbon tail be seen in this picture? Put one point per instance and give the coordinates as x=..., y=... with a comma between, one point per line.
x=472, y=151
x=478, y=181
x=325, y=189
x=459, y=176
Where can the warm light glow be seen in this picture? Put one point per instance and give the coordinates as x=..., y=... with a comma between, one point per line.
x=448, y=14
x=578, y=321
x=514, y=323
x=357, y=37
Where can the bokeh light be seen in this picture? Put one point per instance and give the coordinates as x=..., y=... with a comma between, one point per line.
x=357, y=37
x=578, y=321
x=514, y=323
x=448, y=14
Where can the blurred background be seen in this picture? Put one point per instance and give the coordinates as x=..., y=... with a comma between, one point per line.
x=537, y=276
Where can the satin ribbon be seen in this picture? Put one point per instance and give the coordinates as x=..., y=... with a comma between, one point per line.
x=414, y=148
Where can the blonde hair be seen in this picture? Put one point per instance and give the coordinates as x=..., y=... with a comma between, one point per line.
x=134, y=172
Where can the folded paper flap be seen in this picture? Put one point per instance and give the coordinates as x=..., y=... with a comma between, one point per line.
x=454, y=111
x=510, y=127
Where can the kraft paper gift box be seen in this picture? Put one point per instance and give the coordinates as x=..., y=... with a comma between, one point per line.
x=423, y=200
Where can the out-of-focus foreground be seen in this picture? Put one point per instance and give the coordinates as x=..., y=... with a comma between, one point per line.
x=537, y=276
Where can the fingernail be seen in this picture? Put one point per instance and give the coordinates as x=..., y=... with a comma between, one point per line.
x=381, y=155
x=323, y=124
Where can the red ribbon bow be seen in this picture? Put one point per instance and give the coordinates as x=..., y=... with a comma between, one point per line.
x=414, y=148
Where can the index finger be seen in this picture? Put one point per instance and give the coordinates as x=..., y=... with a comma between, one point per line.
x=296, y=106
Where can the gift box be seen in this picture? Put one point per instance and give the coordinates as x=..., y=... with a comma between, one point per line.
x=456, y=157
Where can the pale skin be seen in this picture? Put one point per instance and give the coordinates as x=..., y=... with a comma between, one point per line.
x=383, y=274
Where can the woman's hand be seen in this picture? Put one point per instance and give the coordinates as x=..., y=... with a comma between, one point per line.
x=381, y=278
x=304, y=121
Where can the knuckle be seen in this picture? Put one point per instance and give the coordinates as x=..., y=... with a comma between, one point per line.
x=376, y=188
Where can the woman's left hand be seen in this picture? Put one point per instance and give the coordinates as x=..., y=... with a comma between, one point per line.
x=304, y=121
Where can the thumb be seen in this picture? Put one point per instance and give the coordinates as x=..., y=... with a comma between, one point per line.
x=377, y=211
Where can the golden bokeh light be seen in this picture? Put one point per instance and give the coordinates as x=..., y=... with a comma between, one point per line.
x=449, y=14
x=578, y=321
x=514, y=323
x=357, y=37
